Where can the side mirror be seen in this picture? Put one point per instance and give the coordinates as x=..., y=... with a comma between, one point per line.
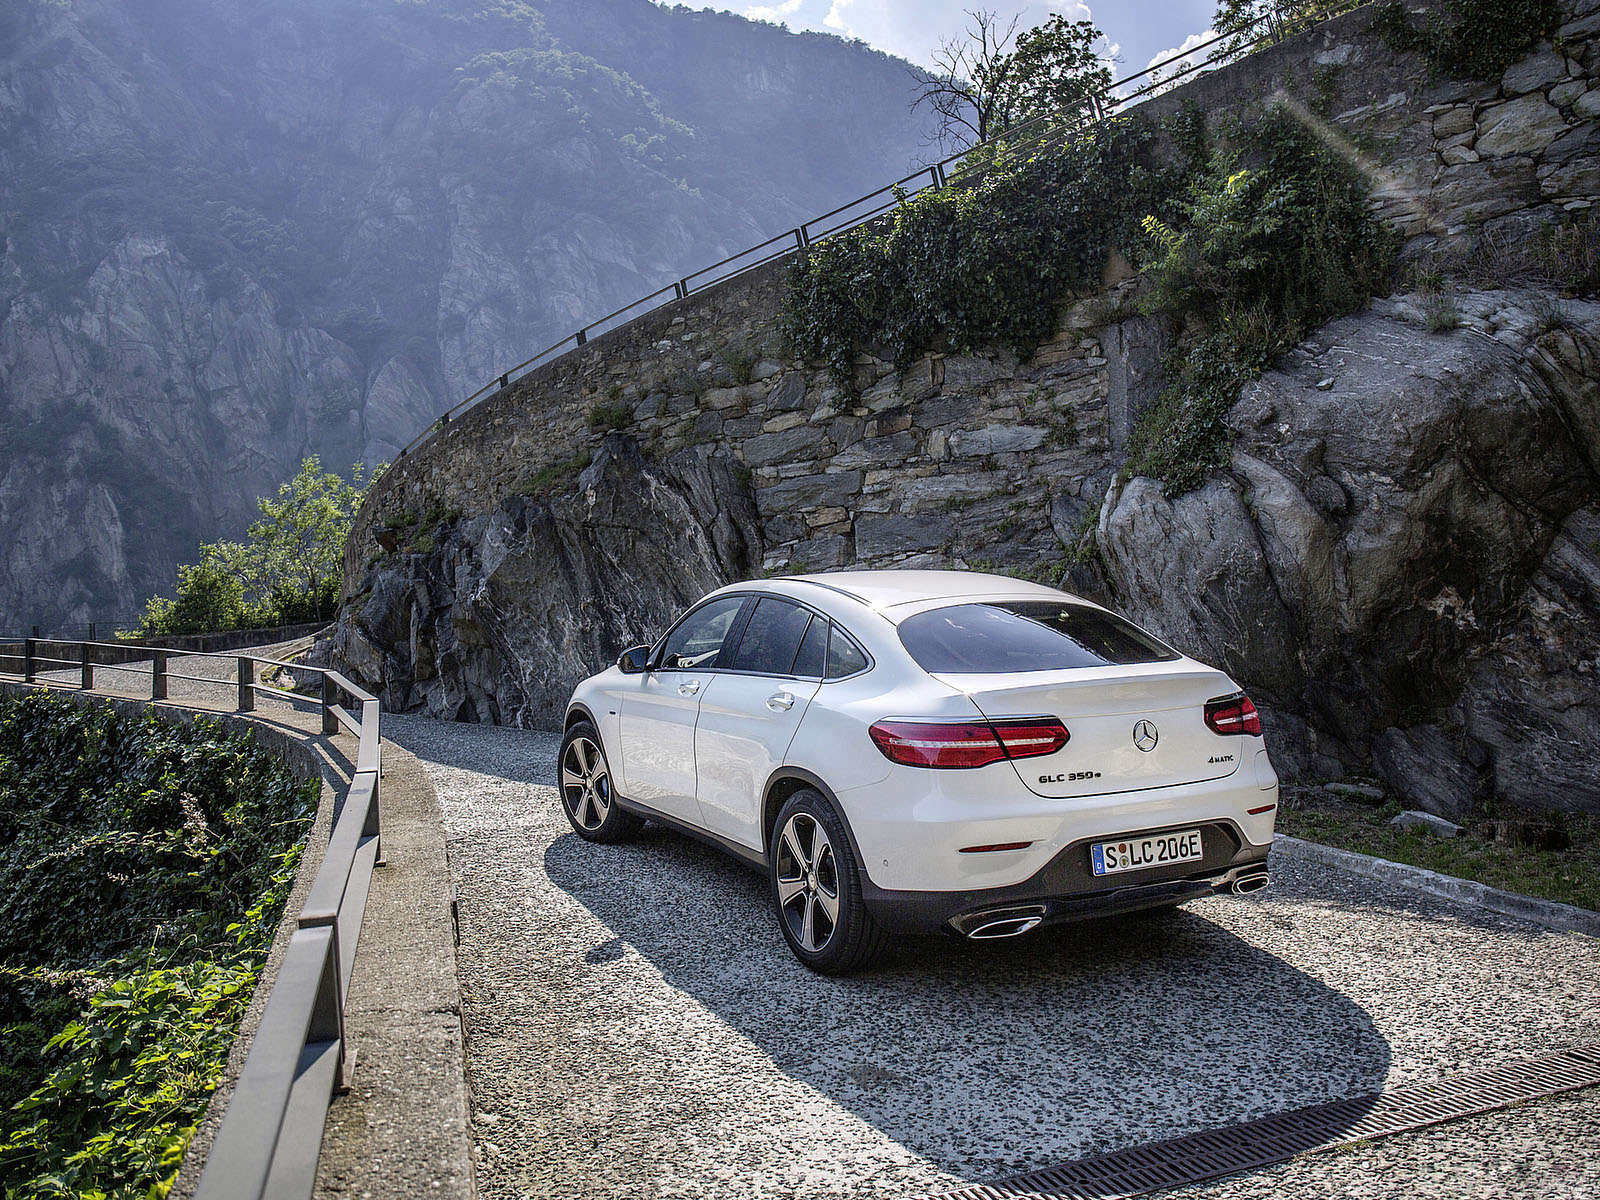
x=634, y=660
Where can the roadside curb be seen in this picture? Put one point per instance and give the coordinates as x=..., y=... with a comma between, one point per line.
x=1549, y=913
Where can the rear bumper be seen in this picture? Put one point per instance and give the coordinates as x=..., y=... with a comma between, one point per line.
x=1065, y=891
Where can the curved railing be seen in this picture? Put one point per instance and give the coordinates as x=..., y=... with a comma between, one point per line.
x=271, y=1132
x=1040, y=133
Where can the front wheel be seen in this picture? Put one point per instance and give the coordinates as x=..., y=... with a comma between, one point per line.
x=816, y=886
x=587, y=795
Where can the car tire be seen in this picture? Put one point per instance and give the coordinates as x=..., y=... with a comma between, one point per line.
x=816, y=888
x=583, y=778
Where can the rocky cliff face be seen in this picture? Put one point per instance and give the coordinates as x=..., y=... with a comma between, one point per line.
x=234, y=235
x=1402, y=558
x=1400, y=561
x=484, y=615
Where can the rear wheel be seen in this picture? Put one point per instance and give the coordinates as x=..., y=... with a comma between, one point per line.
x=587, y=794
x=816, y=887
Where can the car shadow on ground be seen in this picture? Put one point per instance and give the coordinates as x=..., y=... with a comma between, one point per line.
x=988, y=1058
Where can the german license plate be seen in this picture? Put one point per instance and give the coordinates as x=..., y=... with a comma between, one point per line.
x=1138, y=853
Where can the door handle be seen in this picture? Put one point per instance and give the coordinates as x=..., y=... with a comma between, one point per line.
x=690, y=688
x=780, y=702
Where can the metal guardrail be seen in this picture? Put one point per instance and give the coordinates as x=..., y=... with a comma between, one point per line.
x=271, y=1133
x=960, y=169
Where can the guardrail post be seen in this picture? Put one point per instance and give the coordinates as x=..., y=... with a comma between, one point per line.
x=158, y=675
x=86, y=654
x=799, y=239
x=330, y=697
x=681, y=290
x=247, y=684
x=505, y=380
x=30, y=650
x=327, y=1010
x=581, y=336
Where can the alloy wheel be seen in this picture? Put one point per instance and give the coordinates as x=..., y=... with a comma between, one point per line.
x=808, y=882
x=585, y=783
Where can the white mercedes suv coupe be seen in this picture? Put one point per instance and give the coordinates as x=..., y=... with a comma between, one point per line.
x=916, y=751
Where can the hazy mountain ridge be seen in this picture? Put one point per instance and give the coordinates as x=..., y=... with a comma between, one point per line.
x=235, y=237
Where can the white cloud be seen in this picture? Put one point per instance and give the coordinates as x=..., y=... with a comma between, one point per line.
x=1190, y=56
x=773, y=12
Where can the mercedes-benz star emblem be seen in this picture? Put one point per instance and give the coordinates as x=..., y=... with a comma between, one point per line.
x=1145, y=735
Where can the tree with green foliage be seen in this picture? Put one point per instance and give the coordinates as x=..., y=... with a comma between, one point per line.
x=210, y=597
x=287, y=571
x=992, y=78
x=1243, y=23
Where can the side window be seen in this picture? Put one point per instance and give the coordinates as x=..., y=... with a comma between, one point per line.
x=844, y=656
x=813, y=650
x=771, y=639
x=698, y=640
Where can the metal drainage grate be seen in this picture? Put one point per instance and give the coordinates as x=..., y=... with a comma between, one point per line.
x=1278, y=1138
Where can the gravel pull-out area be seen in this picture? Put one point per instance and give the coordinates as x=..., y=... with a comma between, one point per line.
x=636, y=1026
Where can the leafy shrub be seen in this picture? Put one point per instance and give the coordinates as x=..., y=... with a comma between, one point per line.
x=1569, y=255
x=1275, y=239
x=607, y=415
x=741, y=362
x=554, y=476
x=986, y=262
x=143, y=869
x=1441, y=313
x=1474, y=39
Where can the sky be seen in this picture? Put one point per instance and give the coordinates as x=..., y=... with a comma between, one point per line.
x=1139, y=31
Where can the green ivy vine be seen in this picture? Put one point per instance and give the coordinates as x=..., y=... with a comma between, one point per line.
x=985, y=262
x=1470, y=39
x=143, y=868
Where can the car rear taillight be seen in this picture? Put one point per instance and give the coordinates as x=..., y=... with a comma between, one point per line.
x=1233, y=715
x=1031, y=736
x=967, y=743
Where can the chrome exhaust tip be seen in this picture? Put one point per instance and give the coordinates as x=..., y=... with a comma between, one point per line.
x=1245, y=884
x=1001, y=922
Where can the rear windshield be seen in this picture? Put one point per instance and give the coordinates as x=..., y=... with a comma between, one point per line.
x=1025, y=635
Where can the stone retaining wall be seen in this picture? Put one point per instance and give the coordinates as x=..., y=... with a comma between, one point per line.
x=982, y=459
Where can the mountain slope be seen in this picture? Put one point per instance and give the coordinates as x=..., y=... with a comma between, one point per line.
x=234, y=235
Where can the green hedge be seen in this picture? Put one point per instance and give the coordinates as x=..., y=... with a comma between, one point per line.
x=985, y=262
x=143, y=870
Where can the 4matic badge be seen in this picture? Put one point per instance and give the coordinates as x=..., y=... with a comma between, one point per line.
x=1220, y=758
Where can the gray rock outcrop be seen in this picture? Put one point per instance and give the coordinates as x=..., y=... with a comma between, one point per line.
x=493, y=617
x=1404, y=562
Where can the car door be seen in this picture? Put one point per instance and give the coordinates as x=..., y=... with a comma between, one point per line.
x=749, y=713
x=658, y=712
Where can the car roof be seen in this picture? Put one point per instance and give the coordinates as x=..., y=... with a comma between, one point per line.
x=890, y=589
